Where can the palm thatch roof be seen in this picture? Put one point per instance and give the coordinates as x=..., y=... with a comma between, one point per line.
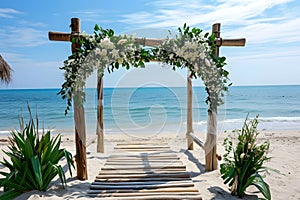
x=5, y=71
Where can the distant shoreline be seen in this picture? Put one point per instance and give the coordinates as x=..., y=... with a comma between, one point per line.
x=290, y=85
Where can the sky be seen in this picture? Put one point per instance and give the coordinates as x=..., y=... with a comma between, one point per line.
x=271, y=28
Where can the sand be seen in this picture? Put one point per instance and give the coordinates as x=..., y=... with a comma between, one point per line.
x=285, y=148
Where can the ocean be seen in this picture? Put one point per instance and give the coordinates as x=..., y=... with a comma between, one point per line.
x=154, y=110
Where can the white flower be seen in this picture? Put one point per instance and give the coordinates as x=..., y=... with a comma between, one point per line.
x=70, y=61
x=121, y=42
x=202, y=55
x=207, y=63
x=106, y=43
x=196, y=67
x=103, y=52
x=115, y=53
x=97, y=51
x=120, y=60
x=242, y=156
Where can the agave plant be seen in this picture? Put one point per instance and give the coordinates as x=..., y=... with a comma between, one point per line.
x=33, y=160
x=244, y=162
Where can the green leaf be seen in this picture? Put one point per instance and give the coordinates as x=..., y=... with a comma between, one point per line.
x=37, y=171
x=262, y=186
x=11, y=194
x=97, y=28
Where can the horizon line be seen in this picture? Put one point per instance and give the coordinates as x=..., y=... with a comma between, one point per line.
x=111, y=87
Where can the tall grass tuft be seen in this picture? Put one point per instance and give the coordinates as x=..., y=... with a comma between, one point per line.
x=33, y=160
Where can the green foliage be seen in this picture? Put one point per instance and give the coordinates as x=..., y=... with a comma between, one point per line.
x=33, y=160
x=103, y=50
x=244, y=162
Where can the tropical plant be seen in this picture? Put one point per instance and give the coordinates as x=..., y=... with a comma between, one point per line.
x=33, y=160
x=244, y=163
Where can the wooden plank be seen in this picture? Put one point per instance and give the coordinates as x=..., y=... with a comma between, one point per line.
x=159, y=197
x=231, y=42
x=197, y=141
x=142, y=145
x=134, y=194
x=165, y=190
x=149, y=41
x=56, y=36
x=142, y=149
x=143, y=155
x=144, y=142
x=144, y=179
x=151, y=171
x=173, y=175
x=145, y=171
x=142, y=167
x=141, y=182
x=142, y=162
x=167, y=185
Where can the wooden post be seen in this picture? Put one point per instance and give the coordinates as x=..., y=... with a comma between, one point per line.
x=79, y=118
x=190, y=144
x=211, y=162
x=100, y=128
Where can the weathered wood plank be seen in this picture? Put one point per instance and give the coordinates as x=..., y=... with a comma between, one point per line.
x=141, y=182
x=142, y=162
x=137, y=193
x=165, y=190
x=141, y=146
x=142, y=167
x=99, y=186
x=144, y=179
x=173, y=175
x=160, y=197
x=197, y=140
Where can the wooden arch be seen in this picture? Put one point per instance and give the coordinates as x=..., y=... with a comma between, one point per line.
x=80, y=132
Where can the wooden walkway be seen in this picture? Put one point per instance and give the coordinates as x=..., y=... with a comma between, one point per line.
x=143, y=171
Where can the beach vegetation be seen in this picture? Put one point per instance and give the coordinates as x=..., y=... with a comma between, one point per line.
x=34, y=160
x=244, y=160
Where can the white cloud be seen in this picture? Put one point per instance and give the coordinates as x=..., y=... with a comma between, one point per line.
x=8, y=12
x=22, y=37
x=286, y=31
x=260, y=21
x=95, y=16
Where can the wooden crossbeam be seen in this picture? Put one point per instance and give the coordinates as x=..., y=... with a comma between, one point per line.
x=58, y=36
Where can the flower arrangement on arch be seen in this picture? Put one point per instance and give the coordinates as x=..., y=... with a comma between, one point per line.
x=104, y=50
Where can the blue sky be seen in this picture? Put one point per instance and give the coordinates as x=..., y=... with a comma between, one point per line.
x=272, y=28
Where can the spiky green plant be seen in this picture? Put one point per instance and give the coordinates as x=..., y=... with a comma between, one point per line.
x=33, y=160
x=244, y=162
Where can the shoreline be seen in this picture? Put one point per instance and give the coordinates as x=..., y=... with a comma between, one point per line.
x=284, y=148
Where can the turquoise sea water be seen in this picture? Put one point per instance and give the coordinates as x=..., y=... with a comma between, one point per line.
x=156, y=110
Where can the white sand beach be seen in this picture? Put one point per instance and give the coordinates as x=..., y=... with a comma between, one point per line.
x=285, y=146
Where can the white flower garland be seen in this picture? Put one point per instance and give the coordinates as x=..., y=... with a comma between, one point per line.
x=103, y=51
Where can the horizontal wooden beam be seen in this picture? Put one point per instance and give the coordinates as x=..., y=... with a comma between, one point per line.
x=57, y=36
x=149, y=41
x=197, y=140
x=231, y=42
